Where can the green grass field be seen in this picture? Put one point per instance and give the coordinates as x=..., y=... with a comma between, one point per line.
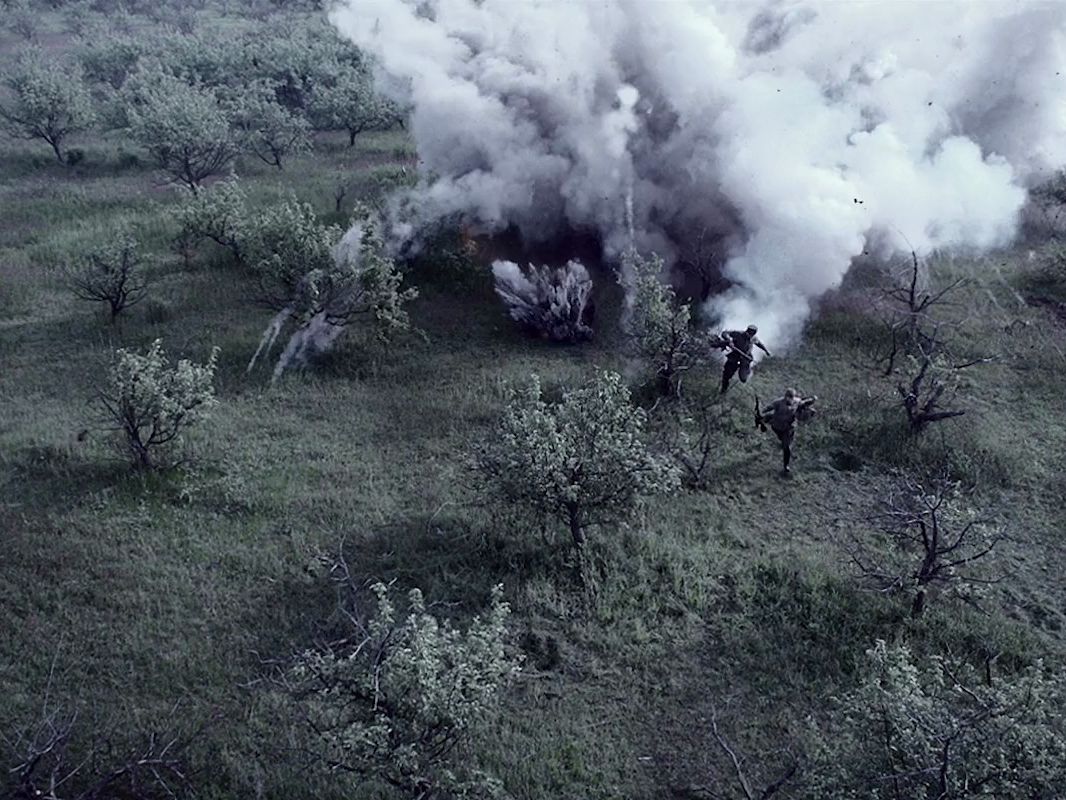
x=139, y=590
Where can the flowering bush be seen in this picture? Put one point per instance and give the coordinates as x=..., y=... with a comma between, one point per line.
x=398, y=701
x=153, y=402
x=584, y=461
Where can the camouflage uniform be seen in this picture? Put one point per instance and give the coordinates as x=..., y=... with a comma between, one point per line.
x=783, y=414
x=738, y=345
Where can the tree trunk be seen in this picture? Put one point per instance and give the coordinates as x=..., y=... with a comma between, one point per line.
x=577, y=534
x=57, y=151
x=351, y=138
x=140, y=451
x=918, y=606
x=577, y=530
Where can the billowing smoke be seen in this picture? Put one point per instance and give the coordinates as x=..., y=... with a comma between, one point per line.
x=550, y=302
x=795, y=134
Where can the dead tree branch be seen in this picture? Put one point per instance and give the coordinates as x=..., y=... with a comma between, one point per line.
x=939, y=539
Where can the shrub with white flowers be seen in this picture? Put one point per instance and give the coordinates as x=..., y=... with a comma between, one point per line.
x=153, y=402
x=184, y=127
x=658, y=326
x=49, y=100
x=924, y=729
x=584, y=461
x=321, y=283
x=218, y=214
x=399, y=700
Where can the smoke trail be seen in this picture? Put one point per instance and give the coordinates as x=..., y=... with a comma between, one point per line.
x=797, y=133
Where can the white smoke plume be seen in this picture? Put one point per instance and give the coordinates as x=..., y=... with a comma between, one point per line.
x=798, y=133
x=318, y=325
x=551, y=302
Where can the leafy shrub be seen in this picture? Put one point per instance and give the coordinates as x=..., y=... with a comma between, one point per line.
x=660, y=329
x=50, y=101
x=927, y=729
x=110, y=60
x=322, y=282
x=398, y=701
x=284, y=243
x=109, y=273
x=583, y=461
x=153, y=403
x=184, y=128
x=23, y=20
x=349, y=103
x=270, y=131
x=219, y=214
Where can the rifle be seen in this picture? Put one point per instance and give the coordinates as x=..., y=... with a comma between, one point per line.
x=726, y=343
x=759, y=424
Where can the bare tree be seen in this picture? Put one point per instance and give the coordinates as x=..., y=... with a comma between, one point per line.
x=109, y=274
x=939, y=539
x=697, y=439
x=56, y=758
x=932, y=389
x=923, y=398
x=910, y=325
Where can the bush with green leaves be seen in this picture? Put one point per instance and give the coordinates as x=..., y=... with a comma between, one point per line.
x=78, y=18
x=298, y=59
x=269, y=131
x=660, y=328
x=398, y=700
x=350, y=104
x=110, y=60
x=218, y=214
x=184, y=127
x=153, y=402
x=926, y=730
x=373, y=284
x=109, y=273
x=284, y=243
x=584, y=461
x=49, y=101
x=23, y=20
x=323, y=283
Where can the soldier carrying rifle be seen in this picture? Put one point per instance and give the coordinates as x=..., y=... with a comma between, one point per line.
x=782, y=415
x=738, y=346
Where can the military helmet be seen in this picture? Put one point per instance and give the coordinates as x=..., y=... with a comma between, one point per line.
x=753, y=329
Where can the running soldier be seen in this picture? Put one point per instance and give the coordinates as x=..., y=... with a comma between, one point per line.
x=782, y=415
x=738, y=345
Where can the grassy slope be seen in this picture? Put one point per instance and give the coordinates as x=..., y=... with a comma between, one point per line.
x=148, y=589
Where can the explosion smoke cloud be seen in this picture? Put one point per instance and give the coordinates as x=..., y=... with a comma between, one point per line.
x=796, y=132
